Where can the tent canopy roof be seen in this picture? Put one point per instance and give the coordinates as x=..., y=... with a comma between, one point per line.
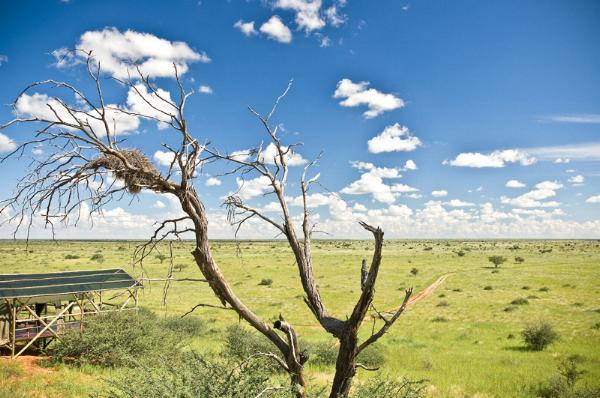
x=64, y=283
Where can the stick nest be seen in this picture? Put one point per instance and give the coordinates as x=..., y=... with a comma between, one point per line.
x=145, y=175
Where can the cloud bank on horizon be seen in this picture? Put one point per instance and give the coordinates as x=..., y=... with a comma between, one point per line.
x=389, y=166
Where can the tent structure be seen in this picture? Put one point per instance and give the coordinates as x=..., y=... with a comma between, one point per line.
x=36, y=308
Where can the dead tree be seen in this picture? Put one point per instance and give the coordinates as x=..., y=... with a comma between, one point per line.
x=276, y=172
x=87, y=168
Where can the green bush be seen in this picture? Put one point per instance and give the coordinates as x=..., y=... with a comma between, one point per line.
x=520, y=301
x=71, y=257
x=390, y=388
x=113, y=339
x=497, y=260
x=189, y=326
x=323, y=353
x=372, y=357
x=191, y=375
x=241, y=343
x=265, y=282
x=97, y=257
x=539, y=336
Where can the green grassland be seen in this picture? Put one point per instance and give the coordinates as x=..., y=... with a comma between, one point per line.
x=468, y=346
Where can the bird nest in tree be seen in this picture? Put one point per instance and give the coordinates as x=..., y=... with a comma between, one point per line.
x=144, y=175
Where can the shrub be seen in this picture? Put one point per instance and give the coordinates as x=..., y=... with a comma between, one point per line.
x=390, y=388
x=544, y=289
x=265, y=282
x=192, y=375
x=97, y=257
x=372, y=356
x=519, y=260
x=181, y=267
x=442, y=303
x=460, y=253
x=323, y=353
x=520, y=301
x=539, y=336
x=488, y=287
x=71, y=257
x=242, y=343
x=160, y=257
x=497, y=260
x=189, y=326
x=439, y=319
x=414, y=271
x=113, y=339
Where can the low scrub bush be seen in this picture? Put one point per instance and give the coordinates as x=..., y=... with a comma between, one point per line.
x=265, y=282
x=381, y=387
x=189, y=326
x=539, y=336
x=113, y=339
x=191, y=375
x=372, y=357
x=97, y=257
x=323, y=353
x=71, y=257
x=241, y=343
x=520, y=301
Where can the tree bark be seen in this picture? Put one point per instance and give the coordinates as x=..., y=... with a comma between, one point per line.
x=345, y=366
x=194, y=208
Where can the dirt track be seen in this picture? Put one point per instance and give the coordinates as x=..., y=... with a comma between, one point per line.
x=428, y=290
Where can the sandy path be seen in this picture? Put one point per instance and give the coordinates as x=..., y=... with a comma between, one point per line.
x=428, y=290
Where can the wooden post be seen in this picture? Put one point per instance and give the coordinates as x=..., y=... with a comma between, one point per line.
x=14, y=329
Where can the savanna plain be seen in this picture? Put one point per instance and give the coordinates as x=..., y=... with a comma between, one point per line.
x=464, y=337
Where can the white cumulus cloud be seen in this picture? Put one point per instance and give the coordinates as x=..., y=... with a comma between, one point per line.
x=212, y=182
x=119, y=53
x=307, y=12
x=247, y=28
x=495, y=159
x=440, y=193
x=275, y=29
x=356, y=94
x=593, y=199
x=204, y=89
x=514, y=184
x=6, y=144
x=394, y=138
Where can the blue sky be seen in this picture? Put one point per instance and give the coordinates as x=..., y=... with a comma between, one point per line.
x=474, y=94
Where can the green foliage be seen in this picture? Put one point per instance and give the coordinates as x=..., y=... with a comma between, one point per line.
x=372, y=357
x=563, y=385
x=265, y=282
x=97, y=257
x=113, y=339
x=191, y=375
x=161, y=257
x=414, y=271
x=520, y=301
x=497, y=260
x=71, y=257
x=190, y=326
x=519, y=260
x=390, y=388
x=322, y=353
x=241, y=343
x=539, y=336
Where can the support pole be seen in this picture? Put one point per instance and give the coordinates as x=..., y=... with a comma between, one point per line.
x=13, y=329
